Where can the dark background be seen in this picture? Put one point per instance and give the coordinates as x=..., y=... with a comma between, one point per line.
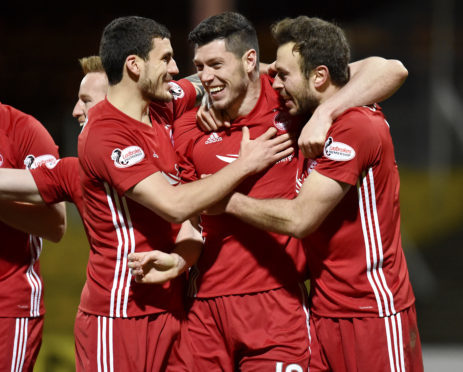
x=40, y=75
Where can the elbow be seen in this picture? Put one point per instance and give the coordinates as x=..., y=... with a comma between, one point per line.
x=299, y=233
x=301, y=228
x=401, y=71
x=58, y=231
x=175, y=213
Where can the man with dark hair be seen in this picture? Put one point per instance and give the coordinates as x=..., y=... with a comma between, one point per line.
x=249, y=310
x=347, y=212
x=128, y=172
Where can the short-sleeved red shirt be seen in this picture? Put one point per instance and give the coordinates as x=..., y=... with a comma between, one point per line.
x=24, y=144
x=357, y=264
x=115, y=153
x=237, y=257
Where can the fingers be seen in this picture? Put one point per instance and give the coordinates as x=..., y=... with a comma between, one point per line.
x=245, y=133
x=283, y=154
x=282, y=138
x=283, y=146
x=271, y=132
x=311, y=150
x=205, y=120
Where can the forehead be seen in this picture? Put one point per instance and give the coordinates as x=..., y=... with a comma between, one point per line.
x=93, y=81
x=161, y=46
x=214, y=49
x=287, y=58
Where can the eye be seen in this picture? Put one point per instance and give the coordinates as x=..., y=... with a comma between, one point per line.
x=199, y=67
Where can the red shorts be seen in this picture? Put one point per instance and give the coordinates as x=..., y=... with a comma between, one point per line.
x=366, y=344
x=125, y=344
x=264, y=331
x=20, y=339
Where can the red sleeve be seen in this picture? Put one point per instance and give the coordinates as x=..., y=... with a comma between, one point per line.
x=352, y=146
x=58, y=181
x=117, y=156
x=185, y=134
x=35, y=146
x=184, y=96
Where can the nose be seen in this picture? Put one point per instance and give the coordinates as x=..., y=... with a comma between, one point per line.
x=277, y=83
x=172, y=67
x=79, y=111
x=206, y=75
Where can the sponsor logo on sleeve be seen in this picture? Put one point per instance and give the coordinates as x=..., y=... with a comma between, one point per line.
x=338, y=151
x=52, y=164
x=32, y=162
x=127, y=157
x=176, y=91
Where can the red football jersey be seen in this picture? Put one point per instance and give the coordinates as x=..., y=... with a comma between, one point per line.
x=355, y=257
x=237, y=257
x=24, y=143
x=115, y=153
x=59, y=182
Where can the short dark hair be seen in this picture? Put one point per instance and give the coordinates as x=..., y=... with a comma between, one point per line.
x=319, y=43
x=125, y=36
x=237, y=31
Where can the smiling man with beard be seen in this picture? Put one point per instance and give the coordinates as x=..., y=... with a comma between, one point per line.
x=128, y=167
x=347, y=212
x=249, y=309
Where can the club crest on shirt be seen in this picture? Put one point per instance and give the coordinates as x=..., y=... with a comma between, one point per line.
x=338, y=151
x=127, y=157
x=176, y=91
x=32, y=162
x=282, y=120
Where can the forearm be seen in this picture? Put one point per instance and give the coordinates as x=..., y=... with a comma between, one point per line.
x=277, y=215
x=47, y=221
x=189, y=244
x=177, y=204
x=200, y=91
x=18, y=185
x=373, y=79
x=193, y=197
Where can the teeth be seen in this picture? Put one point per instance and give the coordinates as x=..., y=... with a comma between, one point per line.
x=216, y=89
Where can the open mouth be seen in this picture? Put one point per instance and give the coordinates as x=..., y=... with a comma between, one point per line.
x=215, y=90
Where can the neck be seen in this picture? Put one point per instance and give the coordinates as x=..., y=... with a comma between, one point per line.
x=244, y=105
x=327, y=93
x=126, y=97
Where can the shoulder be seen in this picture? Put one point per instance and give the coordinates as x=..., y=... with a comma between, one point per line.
x=360, y=122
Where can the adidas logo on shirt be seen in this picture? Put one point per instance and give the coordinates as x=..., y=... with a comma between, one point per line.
x=214, y=137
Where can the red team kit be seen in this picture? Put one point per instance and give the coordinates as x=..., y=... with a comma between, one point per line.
x=364, y=298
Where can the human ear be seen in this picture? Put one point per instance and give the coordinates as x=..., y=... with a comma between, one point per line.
x=320, y=75
x=250, y=60
x=133, y=65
